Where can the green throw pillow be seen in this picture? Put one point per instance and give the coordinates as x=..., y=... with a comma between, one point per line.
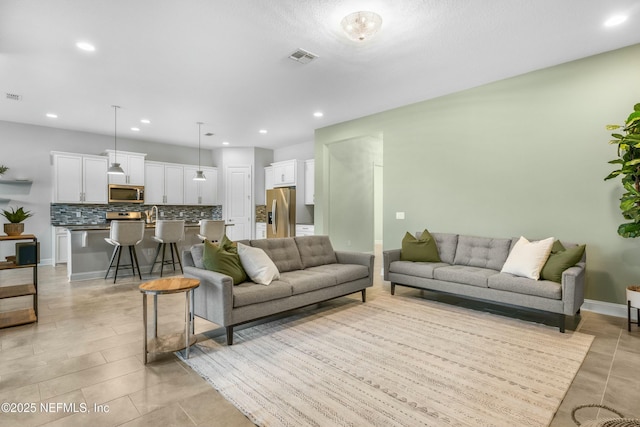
x=216, y=258
x=560, y=260
x=423, y=249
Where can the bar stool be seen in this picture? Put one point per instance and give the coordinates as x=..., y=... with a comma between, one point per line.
x=121, y=234
x=211, y=229
x=168, y=232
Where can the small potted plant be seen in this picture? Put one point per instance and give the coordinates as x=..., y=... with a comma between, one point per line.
x=15, y=227
x=3, y=169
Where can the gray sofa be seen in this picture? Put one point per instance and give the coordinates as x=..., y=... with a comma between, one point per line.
x=471, y=267
x=310, y=272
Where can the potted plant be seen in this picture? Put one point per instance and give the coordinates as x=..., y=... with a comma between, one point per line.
x=15, y=218
x=628, y=142
x=3, y=169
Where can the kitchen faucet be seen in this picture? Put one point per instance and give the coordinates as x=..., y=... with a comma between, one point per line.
x=149, y=213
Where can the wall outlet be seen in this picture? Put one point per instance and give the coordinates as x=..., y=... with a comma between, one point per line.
x=348, y=242
x=162, y=214
x=201, y=213
x=181, y=213
x=78, y=214
x=399, y=215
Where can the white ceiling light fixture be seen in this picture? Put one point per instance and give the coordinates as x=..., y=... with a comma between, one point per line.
x=362, y=25
x=115, y=168
x=87, y=47
x=199, y=174
x=615, y=20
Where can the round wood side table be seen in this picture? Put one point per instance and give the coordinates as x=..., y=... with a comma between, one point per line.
x=175, y=342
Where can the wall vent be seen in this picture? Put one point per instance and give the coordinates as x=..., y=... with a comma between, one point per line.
x=303, y=56
x=14, y=96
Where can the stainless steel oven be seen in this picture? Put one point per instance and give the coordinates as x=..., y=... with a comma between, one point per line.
x=126, y=193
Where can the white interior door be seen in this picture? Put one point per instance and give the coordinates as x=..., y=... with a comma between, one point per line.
x=238, y=202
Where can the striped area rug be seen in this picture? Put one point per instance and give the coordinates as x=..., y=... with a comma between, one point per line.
x=394, y=361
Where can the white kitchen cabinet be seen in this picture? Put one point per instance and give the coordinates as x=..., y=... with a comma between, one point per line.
x=285, y=173
x=261, y=230
x=200, y=192
x=61, y=242
x=79, y=178
x=164, y=184
x=133, y=165
x=309, y=182
x=268, y=178
x=304, y=230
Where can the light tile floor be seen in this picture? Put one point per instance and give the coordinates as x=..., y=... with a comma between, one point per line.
x=86, y=351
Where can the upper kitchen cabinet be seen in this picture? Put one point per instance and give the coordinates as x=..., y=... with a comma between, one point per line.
x=164, y=184
x=285, y=173
x=309, y=182
x=200, y=192
x=131, y=163
x=79, y=178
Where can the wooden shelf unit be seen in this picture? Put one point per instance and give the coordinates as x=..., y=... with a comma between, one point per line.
x=20, y=316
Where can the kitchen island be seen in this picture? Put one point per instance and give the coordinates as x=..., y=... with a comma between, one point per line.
x=89, y=253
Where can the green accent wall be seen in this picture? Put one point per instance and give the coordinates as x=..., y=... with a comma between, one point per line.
x=522, y=156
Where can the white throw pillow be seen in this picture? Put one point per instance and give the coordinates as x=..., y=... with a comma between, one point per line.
x=257, y=264
x=527, y=258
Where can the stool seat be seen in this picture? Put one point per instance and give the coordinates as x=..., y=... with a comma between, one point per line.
x=125, y=234
x=168, y=232
x=211, y=229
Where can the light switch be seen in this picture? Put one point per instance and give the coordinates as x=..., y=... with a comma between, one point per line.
x=399, y=215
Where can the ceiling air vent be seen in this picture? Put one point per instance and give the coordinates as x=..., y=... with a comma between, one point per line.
x=302, y=56
x=14, y=96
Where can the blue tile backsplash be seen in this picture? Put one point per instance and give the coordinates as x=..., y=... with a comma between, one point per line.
x=66, y=214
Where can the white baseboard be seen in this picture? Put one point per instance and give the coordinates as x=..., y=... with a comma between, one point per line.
x=609, y=309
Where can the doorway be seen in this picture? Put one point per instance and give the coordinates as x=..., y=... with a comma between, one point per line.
x=238, y=202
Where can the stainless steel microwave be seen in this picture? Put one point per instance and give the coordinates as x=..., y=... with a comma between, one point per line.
x=126, y=193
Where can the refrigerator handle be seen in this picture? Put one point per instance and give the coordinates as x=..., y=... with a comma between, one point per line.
x=273, y=214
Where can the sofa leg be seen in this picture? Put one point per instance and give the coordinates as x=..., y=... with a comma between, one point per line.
x=364, y=295
x=229, y=335
x=393, y=288
x=561, y=319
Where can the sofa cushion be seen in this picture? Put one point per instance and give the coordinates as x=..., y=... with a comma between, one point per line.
x=342, y=272
x=560, y=260
x=446, y=243
x=196, y=253
x=282, y=251
x=464, y=274
x=523, y=285
x=526, y=258
x=483, y=252
x=422, y=248
x=257, y=264
x=418, y=269
x=302, y=281
x=217, y=258
x=252, y=293
x=315, y=250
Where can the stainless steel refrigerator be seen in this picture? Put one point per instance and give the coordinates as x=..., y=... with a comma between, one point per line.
x=281, y=212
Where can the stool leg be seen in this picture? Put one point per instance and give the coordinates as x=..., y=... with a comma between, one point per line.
x=113, y=255
x=115, y=276
x=135, y=257
x=133, y=267
x=173, y=259
x=164, y=247
x=155, y=258
x=175, y=248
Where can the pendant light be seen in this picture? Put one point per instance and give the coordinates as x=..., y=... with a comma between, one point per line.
x=115, y=168
x=199, y=174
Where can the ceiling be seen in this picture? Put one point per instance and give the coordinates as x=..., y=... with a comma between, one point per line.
x=225, y=63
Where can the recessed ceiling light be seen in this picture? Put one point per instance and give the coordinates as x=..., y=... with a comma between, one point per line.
x=87, y=47
x=52, y=115
x=262, y=131
x=135, y=129
x=615, y=20
x=225, y=142
x=318, y=114
x=145, y=121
